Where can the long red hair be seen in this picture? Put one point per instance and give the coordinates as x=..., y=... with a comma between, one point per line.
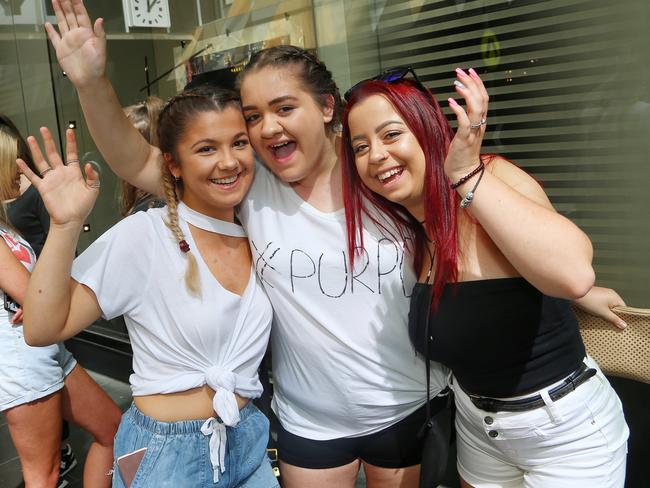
x=423, y=116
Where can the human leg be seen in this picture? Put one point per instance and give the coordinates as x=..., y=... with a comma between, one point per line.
x=86, y=404
x=306, y=462
x=378, y=477
x=393, y=456
x=35, y=429
x=338, y=477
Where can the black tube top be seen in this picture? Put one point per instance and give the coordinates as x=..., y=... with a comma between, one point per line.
x=501, y=337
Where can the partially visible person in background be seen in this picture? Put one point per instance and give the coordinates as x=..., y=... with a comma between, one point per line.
x=39, y=386
x=28, y=215
x=144, y=117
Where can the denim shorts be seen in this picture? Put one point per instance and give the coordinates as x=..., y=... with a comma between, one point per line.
x=178, y=453
x=29, y=373
x=578, y=440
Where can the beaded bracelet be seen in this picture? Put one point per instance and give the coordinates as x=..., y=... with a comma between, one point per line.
x=480, y=167
x=467, y=199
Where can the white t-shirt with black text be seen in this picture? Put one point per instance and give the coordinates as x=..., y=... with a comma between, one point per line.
x=343, y=363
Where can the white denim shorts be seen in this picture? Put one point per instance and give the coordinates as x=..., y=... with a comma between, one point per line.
x=577, y=441
x=28, y=373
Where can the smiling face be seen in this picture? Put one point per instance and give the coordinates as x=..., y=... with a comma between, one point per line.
x=387, y=155
x=285, y=123
x=214, y=160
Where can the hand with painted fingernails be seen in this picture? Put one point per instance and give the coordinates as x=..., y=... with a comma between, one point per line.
x=68, y=197
x=80, y=45
x=465, y=149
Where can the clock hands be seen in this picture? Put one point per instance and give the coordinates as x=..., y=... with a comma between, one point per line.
x=150, y=5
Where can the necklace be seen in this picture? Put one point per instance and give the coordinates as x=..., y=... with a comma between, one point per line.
x=210, y=224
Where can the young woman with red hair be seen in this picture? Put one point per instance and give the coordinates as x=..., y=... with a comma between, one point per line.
x=497, y=267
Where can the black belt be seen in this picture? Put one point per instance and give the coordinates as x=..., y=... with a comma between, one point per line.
x=575, y=379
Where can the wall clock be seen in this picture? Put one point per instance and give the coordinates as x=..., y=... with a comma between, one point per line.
x=146, y=13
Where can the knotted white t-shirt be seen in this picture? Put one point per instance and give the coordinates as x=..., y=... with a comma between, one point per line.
x=179, y=341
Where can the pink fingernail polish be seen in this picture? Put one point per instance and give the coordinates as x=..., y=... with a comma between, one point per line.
x=461, y=72
x=472, y=72
x=452, y=101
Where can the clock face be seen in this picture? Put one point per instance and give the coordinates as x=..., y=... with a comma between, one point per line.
x=149, y=13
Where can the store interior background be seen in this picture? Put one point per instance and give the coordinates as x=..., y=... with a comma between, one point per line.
x=568, y=81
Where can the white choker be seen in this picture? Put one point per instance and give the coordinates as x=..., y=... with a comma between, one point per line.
x=210, y=224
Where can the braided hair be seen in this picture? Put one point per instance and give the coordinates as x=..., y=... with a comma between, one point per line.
x=174, y=119
x=315, y=76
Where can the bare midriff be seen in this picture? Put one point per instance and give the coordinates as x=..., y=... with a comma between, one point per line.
x=194, y=404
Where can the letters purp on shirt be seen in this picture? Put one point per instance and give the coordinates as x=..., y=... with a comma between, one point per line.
x=328, y=270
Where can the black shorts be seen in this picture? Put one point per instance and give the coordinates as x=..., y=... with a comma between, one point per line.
x=397, y=446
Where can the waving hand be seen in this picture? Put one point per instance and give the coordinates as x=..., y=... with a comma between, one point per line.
x=67, y=196
x=465, y=149
x=80, y=46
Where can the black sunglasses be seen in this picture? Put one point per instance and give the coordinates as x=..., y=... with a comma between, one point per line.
x=391, y=75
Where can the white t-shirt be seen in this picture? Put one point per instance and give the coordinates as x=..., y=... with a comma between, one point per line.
x=343, y=363
x=179, y=341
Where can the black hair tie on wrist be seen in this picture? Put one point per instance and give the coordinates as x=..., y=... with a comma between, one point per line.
x=474, y=172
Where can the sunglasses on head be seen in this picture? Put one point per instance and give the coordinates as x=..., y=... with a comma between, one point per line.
x=391, y=75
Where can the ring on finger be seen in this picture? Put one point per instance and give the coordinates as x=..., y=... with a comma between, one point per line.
x=42, y=173
x=72, y=161
x=481, y=122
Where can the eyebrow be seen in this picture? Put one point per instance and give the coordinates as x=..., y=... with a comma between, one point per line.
x=209, y=140
x=379, y=128
x=272, y=102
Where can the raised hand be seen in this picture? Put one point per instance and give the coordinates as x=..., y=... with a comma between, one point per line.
x=67, y=196
x=80, y=47
x=465, y=149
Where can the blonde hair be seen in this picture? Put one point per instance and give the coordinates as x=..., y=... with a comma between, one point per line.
x=8, y=168
x=171, y=187
x=144, y=117
x=12, y=146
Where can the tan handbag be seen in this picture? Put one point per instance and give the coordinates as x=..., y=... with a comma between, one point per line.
x=624, y=353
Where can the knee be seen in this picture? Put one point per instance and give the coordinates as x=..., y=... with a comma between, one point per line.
x=43, y=477
x=109, y=424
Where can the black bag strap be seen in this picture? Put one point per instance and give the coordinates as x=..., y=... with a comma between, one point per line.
x=427, y=367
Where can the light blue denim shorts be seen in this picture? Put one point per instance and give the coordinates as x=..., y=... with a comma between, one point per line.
x=29, y=373
x=178, y=453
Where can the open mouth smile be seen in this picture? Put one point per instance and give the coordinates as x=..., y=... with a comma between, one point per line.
x=390, y=175
x=226, y=182
x=282, y=150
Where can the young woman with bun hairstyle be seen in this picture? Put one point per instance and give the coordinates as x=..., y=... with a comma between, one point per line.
x=497, y=267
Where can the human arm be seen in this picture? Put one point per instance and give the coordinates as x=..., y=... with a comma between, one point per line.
x=81, y=51
x=547, y=249
x=55, y=306
x=600, y=302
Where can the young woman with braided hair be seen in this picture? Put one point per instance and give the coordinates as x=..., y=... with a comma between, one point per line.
x=349, y=388
x=197, y=317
